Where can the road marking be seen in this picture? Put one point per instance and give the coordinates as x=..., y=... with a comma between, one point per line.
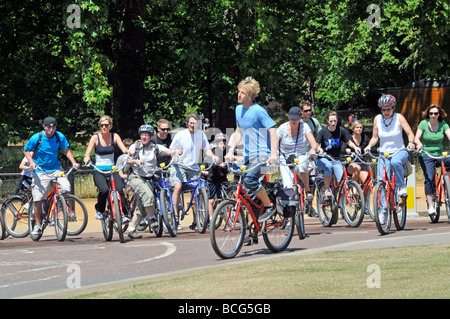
x=28, y=281
x=171, y=248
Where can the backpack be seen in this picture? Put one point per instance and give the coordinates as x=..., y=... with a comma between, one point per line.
x=127, y=168
x=39, y=142
x=287, y=201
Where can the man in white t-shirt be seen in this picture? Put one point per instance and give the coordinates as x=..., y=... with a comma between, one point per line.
x=190, y=142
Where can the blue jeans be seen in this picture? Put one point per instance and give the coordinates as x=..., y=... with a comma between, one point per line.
x=428, y=165
x=329, y=167
x=395, y=163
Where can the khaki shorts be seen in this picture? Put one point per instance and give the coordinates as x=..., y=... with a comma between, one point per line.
x=143, y=190
x=41, y=183
x=180, y=174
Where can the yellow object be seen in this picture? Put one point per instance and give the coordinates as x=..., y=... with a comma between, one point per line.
x=410, y=202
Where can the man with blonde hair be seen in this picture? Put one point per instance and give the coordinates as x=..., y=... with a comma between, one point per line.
x=259, y=135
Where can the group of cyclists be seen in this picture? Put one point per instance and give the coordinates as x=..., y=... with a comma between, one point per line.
x=300, y=137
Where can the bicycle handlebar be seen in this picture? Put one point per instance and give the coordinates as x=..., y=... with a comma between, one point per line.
x=61, y=174
x=442, y=156
x=108, y=172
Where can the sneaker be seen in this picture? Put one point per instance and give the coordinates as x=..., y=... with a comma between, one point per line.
x=134, y=234
x=98, y=215
x=432, y=211
x=267, y=213
x=152, y=223
x=309, y=196
x=327, y=196
x=250, y=240
x=36, y=230
x=382, y=217
x=403, y=191
x=125, y=219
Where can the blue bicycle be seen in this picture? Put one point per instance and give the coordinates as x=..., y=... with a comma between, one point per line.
x=198, y=201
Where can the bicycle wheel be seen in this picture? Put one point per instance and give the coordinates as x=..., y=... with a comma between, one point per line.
x=159, y=220
x=368, y=200
x=399, y=213
x=353, y=204
x=327, y=209
x=107, y=223
x=379, y=191
x=117, y=221
x=14, y=216
x=32, y=222
x=202, y=215
x=77, y=215
x=277, y=232
x=168, y=214
x=447, y=195
x=60, y=217
x=300, y=219
x=3, y=232
x=228, y=238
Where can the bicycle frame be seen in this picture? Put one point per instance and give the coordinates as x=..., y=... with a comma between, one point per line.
x=112, y=189
x=339, y=188
x=242, y=197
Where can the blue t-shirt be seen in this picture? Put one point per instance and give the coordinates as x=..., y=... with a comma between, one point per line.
x=47, y=154
x=254, y=123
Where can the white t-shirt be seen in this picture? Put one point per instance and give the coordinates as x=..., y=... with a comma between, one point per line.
x=287, y=143
x=192, y=145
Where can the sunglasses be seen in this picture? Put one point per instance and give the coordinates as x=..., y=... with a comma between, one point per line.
x=306, y=111
x=433, y=113
x=104, y=125
x=164, y=129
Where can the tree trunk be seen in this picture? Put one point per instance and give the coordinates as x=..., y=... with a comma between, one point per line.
x=129, y=72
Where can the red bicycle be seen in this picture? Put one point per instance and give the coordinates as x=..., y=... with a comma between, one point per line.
x=346, y=194
x=386, y=199
x=232, y=219
x=442, y=184
x=113, y=216
x=54, y=210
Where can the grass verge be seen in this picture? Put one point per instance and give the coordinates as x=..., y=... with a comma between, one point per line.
x=407, y=272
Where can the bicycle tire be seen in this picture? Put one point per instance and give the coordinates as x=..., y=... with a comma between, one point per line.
x=77, y=215
x=159, y=220
x=228, y=239
x=3, y=232
x=168, y=213
x=32, y=222
x=202, y=215
x=353, y=204
x=383, y=230
x=368, y=201
x=14, y=219
x=60, y=217
x=436, y=204
x=327, y=212
x=107, y=224
x=400, y=212
x=447, y=195
x=277, y=232
x=300, y=217
x=117, y=217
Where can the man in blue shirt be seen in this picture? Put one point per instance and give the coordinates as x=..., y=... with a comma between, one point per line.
x=45, y=145
x=257, y=130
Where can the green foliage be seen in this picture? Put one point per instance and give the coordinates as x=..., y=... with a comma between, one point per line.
x=197, y=51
